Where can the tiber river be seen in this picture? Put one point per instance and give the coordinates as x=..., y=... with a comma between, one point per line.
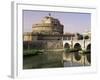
x=54, y=59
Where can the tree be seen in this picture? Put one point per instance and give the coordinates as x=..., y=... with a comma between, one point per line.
x=80, y=37
x=86, y=37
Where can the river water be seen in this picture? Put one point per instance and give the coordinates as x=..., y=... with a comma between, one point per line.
x=52, y=60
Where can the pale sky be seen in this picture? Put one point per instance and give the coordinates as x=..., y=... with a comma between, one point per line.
x=73, y=22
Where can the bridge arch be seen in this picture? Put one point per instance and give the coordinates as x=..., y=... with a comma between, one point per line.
x=77, y=46
x=88, y=47
x=67, y=45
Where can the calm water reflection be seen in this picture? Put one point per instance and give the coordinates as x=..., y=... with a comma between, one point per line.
x=53, y=59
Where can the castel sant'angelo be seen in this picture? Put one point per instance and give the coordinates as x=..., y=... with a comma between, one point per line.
x=48, y=25
x=46, y=34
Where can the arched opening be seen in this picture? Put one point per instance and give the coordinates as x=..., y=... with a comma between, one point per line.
x=77, y=46
x=67, y=46
x=88, y=53
x=88, y=47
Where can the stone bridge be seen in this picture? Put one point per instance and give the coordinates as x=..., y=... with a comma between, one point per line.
x=83, y=44
x=82, y=59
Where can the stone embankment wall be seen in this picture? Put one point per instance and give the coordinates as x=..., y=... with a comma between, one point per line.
x=43, y=44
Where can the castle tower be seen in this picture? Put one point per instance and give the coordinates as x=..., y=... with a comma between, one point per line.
x=48, y=25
